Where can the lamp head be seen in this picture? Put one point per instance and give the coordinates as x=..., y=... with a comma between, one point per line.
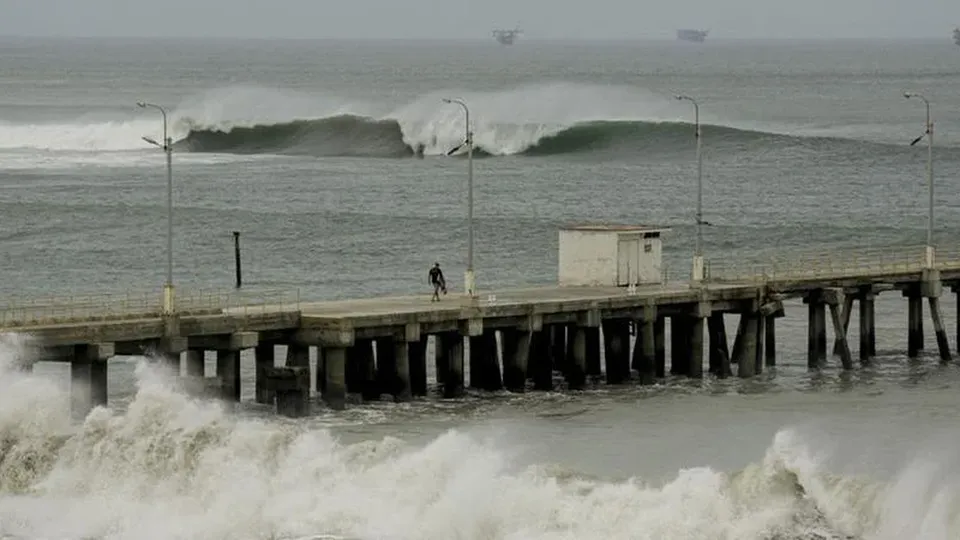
x=141, y=104
x=907, y=95
x=447, y=100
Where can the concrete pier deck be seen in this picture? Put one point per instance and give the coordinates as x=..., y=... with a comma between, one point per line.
x=376, y=346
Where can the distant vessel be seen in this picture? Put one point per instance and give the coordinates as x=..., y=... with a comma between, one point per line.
x=506, y=37
x=687, y=34
x=956, y=35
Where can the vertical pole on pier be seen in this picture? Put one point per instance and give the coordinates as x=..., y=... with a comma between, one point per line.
x=236, y=258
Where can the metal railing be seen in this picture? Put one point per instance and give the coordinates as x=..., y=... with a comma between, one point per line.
x=838, y=264
x=16, y=313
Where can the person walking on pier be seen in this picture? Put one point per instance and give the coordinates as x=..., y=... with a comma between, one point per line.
x=438, y=282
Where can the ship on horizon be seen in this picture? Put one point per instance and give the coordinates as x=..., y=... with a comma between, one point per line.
x=506, y=36
x=696, y=36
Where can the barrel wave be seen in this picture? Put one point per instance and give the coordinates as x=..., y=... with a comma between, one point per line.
x=350, y=135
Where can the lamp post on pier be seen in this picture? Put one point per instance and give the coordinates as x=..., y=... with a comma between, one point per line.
x=928, y=133
x=167, y=147
x=469, y=278
x=698, y=267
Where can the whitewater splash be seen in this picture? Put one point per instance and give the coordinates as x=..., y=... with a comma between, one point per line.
x=171, y=467
x=539, y=119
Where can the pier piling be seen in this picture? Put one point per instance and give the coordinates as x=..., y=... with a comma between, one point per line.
x=291, y=386
x=264, y=357
x=335, y=395
x=88, y=377
x=719, y=357
x=616, y=337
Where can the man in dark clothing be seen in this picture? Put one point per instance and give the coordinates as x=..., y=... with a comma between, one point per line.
x=438, y=282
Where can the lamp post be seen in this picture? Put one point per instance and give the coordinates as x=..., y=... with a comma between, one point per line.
x=469, y=278
x=167, y=147
x=928, y=133
x=697, y=274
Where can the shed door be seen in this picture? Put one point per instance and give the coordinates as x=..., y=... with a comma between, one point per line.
x=628, y=260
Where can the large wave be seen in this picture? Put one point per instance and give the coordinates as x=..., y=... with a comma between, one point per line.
x=173, y=467
x=350, y=135
x=543, y=119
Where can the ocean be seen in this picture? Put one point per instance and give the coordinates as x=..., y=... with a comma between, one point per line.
x=329, y=158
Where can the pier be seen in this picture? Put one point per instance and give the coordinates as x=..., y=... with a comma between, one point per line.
x=549, y=338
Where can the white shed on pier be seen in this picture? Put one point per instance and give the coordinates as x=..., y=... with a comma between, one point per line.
x=610, y=255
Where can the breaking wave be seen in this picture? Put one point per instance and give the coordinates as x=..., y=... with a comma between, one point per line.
x=173, y=467
x=541, y=120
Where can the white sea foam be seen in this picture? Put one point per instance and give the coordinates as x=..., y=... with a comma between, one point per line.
x=171, y=467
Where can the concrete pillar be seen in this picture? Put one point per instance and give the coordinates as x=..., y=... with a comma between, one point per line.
x=914, y=323
x=196, y=364
x=816, y=330
x=88, y=377
x=485, y=361
x=845, y=320
x=441, y=361
x=336, y=386
x=616, y=338
x=298, y=355
x=746, y=364
x=291, y=386
x=761, y=333
x=321, y=379
x=868, y=332
x=660, y=347
x=576, y=374
x=719, y=357
x=770, y=337
x=679, y=344
x=570, y=331
x=846, y=359
x=366, y=369
x=452, y=345
x=943, y=346
x=645, y=352
x=558, y=347
x=594, y=366
x=541, y=360
x=516, y=360
x=386, y=366
x=401, y=356
x=418, y=366
x=737, y=352
x=264, y=355
x=228, y=372
x=695, y=347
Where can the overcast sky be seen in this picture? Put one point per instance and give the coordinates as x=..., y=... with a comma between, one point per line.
x=543, y=19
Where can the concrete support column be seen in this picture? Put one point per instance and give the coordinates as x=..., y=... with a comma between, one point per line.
x=88, y=377
x=660, y=347
x=298, y=355
x=931, y=288
x=576, y=374
x=485, y=362
x=679, y=344
x=845, y=319
x=195, y=363
x=832, y=300
x=761, y=333
x=816, y=330
x=452, y=345
x=737, y=354
x=418, y=366
x=386, y=366
x=516, y=360
x=401, y=356
x=558, y=347
x=321, y=380
x=914, y=323
x=770, y=337
x=541, y=360
x=441, y=362
x=616, y=338
x=291, y=386
x=746, y=363
x=868, y=332
x=594, y=366
x=695, y=347
x=335, y=371
x=645, y=350
x=264, y=355
x=719, y=357
x=361, y=370
x=228, y=372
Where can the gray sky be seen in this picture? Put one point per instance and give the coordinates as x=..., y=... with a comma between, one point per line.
x=543, y=19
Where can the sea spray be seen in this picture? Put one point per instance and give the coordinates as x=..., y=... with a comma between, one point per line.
x=170, y=466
